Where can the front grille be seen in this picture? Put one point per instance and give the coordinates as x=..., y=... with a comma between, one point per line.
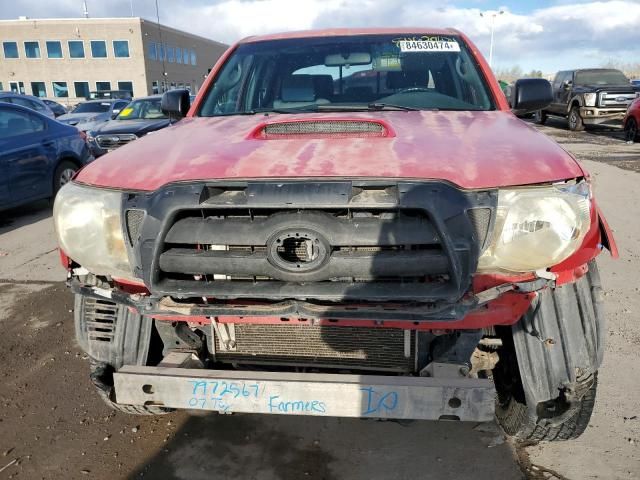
x=312, y=241
x=110, y=142
x=134, y=220
x=616, y=100
x=480, y=221
x=330, y=246
x=321, y=346
x=330, y=128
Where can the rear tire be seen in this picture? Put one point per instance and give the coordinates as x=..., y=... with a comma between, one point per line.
x=575, y=120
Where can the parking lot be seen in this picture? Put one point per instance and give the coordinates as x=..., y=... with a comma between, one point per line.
x=54, y=426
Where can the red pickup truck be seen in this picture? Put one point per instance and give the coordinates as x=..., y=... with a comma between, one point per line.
x=345, y=223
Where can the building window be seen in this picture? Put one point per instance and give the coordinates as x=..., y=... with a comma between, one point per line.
x=155, y=89
x=60, y=89
x=54, y=50
x=98, y=49
x=160, y=52
x=178, y=55
x=101, y=86
x=128, y=86
x=153, y=51
x=76, y=48
x=121, y=48
x=38, y=89
x=32, y=49
x=81, y=89
x=10, y=49
x=1, y=87
x=193, y=57
x=185, y=56
x=171, y=54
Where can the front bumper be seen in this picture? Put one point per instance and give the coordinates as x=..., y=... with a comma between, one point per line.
x=598, y=116
x=334, y=395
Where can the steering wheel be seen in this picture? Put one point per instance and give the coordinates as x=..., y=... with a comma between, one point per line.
x=414, y=89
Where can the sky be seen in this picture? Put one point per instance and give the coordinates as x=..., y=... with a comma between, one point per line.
x=547, y=35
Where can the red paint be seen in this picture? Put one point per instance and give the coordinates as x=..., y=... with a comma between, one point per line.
x=505, y=310
x=607, y=235
x=64, y=260
x=469, y=149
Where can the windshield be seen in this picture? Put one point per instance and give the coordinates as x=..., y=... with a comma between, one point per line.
x=142, y=109
x=601, y=77
x=348, y=73
x=92, y=107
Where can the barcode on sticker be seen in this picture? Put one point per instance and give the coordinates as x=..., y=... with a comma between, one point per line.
x=428, y=46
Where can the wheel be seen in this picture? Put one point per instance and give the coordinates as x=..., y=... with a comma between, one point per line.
x=101, y=375
x=63, y=174
x=540, y=117
x=121, y=337
x=576, y=310
x=514, y=417
x=631, y=130
x=575, y=120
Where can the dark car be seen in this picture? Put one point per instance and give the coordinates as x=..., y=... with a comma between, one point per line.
x=37, y=155
x=593, y=96
x=34, y=103
x=140, y=117
x=90, y=115
x=57, y=108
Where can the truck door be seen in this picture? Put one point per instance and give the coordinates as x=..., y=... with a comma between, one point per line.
x=555, y=107
x=565, y=92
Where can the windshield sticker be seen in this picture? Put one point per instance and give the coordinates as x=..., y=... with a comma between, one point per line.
x=427, y=44
x=126, y=112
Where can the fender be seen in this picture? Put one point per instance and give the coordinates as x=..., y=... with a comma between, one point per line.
x=575, y=98
x=606, y=235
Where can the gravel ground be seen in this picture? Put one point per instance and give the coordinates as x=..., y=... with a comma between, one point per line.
x=52, y=425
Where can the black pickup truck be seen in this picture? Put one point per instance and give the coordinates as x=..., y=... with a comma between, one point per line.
x=592, y=96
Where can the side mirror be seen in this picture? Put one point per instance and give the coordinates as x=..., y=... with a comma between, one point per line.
x=175, y=103
x=531, y=94
x=567, y=84
x=114, y=114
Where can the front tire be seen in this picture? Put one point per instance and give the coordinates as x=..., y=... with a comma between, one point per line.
x=546, y=379
x=63, y=175
x=576, y=123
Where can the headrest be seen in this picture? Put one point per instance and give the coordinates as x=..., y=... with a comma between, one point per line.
x=323, y=85
x=298, y=88
x=407, y=79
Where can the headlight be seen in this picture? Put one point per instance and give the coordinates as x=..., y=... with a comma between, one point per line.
x=538, y=227
x=590, y=99
x=89, y=229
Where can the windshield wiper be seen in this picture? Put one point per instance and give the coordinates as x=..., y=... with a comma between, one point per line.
x=391, y=106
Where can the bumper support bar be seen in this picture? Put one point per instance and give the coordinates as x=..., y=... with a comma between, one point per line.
x=336, y=395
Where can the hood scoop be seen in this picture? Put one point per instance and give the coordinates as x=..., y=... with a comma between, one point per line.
x=325, y=128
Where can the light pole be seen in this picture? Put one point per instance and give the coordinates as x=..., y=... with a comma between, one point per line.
x=492, y=15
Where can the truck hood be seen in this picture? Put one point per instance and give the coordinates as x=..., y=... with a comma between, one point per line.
x=73, y=118
x=137, y=127
x=469, y=149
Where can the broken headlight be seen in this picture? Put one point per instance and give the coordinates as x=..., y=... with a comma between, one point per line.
x=537, y=227
x=88, y=224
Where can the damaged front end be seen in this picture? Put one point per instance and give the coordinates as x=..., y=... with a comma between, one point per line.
x=397, y=297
